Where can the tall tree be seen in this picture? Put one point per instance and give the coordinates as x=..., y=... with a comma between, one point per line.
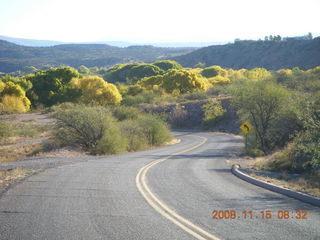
x=53, y=86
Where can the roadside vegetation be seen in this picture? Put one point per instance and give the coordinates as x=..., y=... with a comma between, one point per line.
x=129, y=107
x=102, y=130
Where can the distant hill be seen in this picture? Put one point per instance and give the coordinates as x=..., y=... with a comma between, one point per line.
x=14, y=57
x=250, y=54
x=30, y=42
x=50, y=43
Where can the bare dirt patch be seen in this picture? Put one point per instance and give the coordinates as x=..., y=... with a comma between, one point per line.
x=25, y=135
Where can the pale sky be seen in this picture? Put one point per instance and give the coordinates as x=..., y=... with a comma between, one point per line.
x=157, y=21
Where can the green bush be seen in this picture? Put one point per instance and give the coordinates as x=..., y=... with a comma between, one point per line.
x=111, y=142
x=155, y=129
x=134, y=134
x=84, y=126
x=133, y=100
x=125, y=112
x=306, y=154
x=96, y=130
x=143, y=97
x=307, y=150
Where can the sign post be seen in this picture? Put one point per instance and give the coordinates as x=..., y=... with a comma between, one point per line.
x=246, y=127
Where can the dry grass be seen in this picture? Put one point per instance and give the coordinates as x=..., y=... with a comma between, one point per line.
x=279, y=162
x=25, y=131
x=15, y=153
x=7, y=176
x=22, y=135
x=301, y=184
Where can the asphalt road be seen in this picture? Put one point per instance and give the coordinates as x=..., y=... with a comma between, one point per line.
x=122, y=197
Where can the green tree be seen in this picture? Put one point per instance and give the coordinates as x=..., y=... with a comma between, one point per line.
x=166, y=65
x=131, y=73
x=53, y=86
x=213, y=71
x=259, y=102
x=307, y=144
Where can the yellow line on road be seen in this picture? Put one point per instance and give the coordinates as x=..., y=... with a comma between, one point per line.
x=162, y=208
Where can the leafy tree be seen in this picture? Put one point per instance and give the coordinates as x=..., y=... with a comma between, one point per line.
x=176, y=81
x=166, y=65
x=260, y=102
x=95, y=90
x=53, y=86
x=131, y=73
x=304, y=151
x=142, y=70
x=213, y=71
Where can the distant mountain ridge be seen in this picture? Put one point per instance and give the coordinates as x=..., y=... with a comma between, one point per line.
x=248, y=54
x=272, y=55
x=15, y=57
x=49, y=43
x=30, y=42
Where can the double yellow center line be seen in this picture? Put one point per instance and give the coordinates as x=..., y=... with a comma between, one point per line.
x=162, y=208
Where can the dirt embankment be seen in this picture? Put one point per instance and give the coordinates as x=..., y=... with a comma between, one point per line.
x=189, y=115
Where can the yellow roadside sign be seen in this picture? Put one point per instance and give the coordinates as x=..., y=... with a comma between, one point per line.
x=246, y=127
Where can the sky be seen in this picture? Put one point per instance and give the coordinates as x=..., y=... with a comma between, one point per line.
x=157, y=21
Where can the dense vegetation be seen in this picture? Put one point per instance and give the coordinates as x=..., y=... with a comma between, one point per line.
x=105, y=115
x=108, y=130
x=273, y=54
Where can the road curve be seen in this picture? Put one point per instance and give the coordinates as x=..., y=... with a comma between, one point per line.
x=100, y=198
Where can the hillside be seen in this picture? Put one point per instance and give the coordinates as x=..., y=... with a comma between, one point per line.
x=14, y=57
x=250, y=54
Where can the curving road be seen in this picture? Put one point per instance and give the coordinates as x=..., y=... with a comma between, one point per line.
x=164, y=193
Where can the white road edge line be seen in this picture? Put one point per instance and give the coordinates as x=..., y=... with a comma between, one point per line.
x=162, y=208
